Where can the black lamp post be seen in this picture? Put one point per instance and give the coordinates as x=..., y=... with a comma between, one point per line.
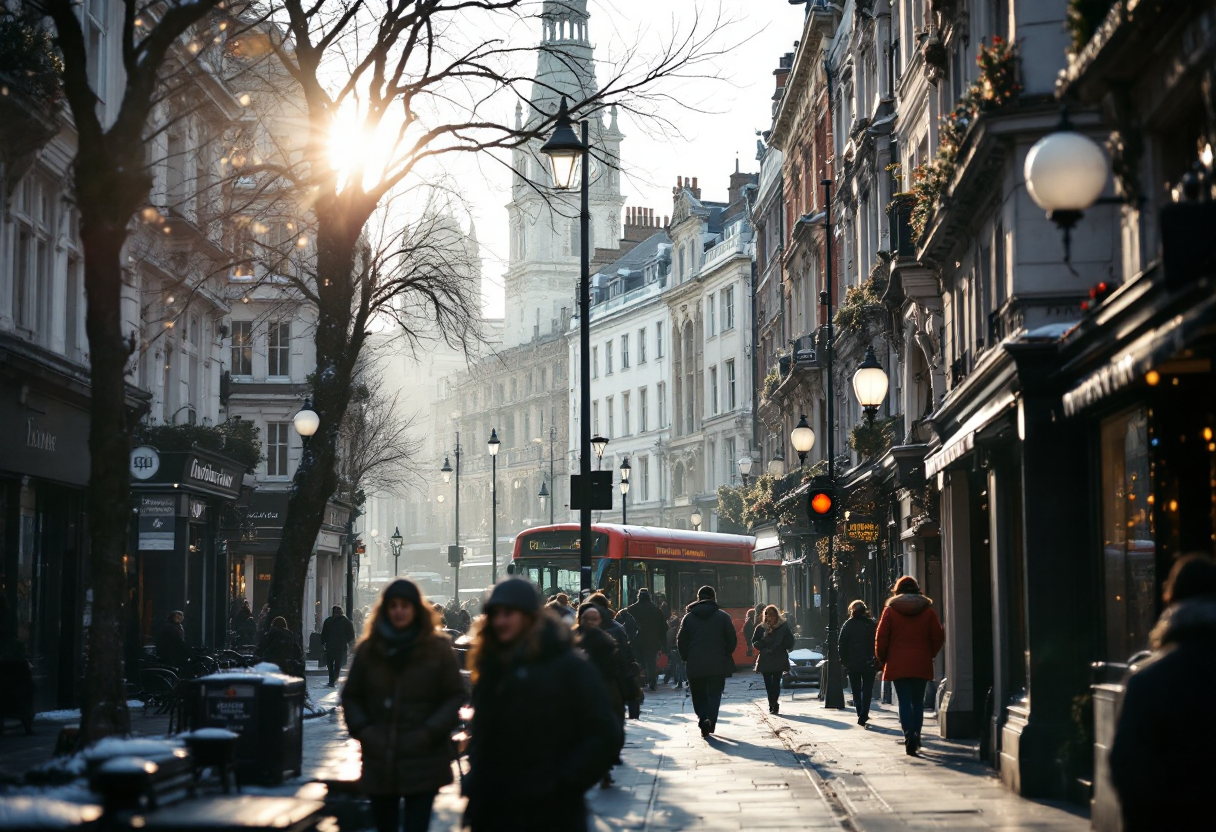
x=567, y=153
x=625, y=469
x=306, y=421
x=395, y=541
x=454, y=560
x=834, y=692
x=492, y=445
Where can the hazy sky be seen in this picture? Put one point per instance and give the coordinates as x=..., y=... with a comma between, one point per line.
x=736, y=108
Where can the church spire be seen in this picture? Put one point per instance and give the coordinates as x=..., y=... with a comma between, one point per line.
x=564, y=62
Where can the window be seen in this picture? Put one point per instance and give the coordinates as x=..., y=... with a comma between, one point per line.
x=624, y=352
x=642, y=424
x=711, y=308
x=608, y=406
x=276, y=449
x=729, y=444
x=641, y=346
x=278, y=349
x=658, y=340
x=728, y=308
x=713, y=390
x=608, y=358
x=595, y=418
x=661, y=397
x=31, y=292
x=731, y=397
x=242, y=348
x=94, y=25
x=644, y=477
x=75, y=296
x=625, y=414
x=595, y=362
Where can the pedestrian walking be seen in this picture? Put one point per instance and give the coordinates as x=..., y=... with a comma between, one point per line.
x=749, y=626
x=909, y=637
x=1162, y=760
x=280, y=646
x=526, y=673
x=171, y=642
x=652, y=631
x=773, y=640
x=706, y=642
x=263, y=621
x=675, y=664
x=856, y=648
x=401, y=701
x=602, y=651
x=337, y=635
x=616, y=626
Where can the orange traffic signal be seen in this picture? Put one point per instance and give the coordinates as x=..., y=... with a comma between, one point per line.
x=822, y=503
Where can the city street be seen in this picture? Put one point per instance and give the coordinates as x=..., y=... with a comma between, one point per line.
x=808, y=769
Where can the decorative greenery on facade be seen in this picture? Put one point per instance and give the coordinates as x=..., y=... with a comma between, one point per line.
x=744, y=508
x=238, y=439
x=771, y=380
x=873, y=440
x=1084, y=18
x=29, y=62
x=996, y=87
x=850, y=315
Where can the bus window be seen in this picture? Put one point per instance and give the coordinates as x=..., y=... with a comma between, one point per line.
x=691, y=580
x=608, y=578
x=735, y=586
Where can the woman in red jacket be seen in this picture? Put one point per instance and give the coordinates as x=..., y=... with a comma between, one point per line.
x=909, y=637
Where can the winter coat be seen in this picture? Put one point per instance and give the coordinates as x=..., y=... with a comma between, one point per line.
x=620, y=636
x=909, y=637
x=1162, y=762
x=631, y=626
x=171, y=645
x=337, y=633
x=279, y=646
x=707, y=641
x=652, y=626
x=402, y=710
x=603, y=654
x=673, y=630
x=515, y=782
x=856, y=643
x=773, y=648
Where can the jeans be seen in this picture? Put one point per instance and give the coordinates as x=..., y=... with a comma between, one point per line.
x=772, y=686
x=335, y=661
x=911, y=693
x=675, y=668
x=707, y=697
x=386, y=810
x=861, y=682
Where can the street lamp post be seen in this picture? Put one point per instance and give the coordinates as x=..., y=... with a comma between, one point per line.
x=395, y=541
x=447, y=472
x=696, y=519
x=492, y=445
x=803, y=439
x=568, y=152
x=745, y=468
x=870, y=385
x=776, y=465
x=625, y=470
x=834, y=693
x=306, y=421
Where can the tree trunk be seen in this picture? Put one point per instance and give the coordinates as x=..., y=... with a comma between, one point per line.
x=109, y=500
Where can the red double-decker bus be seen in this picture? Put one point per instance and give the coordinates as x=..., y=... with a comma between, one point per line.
x=672, y=563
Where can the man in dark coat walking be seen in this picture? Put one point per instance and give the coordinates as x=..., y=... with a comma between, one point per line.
x=652, y=632
x=706, y=642
x=337, y=635
x=856, y=647
x=1162, y=762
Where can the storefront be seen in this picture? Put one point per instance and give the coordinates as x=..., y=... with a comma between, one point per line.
x=44, y=536
x=181, y=560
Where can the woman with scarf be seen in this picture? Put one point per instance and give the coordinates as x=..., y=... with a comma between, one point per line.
x=402, y=700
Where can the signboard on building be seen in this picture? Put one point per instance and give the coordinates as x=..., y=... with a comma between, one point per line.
x=145, y=462
x=862, y=529
x=157, y=522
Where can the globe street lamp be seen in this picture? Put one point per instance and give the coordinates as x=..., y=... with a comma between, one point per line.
x=306, y=421
x=776, y=465
x=567, y=154
x=492, y=445
x=803, y=439
x=544, y=495
x=1065, y=174
x=870, y=385
x=395, y=542
x=625, y=470
x=696, y=519
x=745, y=468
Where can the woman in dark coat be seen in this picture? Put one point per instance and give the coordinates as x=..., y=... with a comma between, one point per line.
x=773, y=640
x=1162, y=762
x=602, y=651
x=402, y=700
x=909, y=637
x=279, y=646
x=527, y=674
x=857, y=655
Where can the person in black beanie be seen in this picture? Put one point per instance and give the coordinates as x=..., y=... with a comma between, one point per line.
x=526, y=673
x=402, y=699
x=706, y=642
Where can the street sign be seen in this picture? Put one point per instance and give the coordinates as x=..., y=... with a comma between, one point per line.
x=145, y=462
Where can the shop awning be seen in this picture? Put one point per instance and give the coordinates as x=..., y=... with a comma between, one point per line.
x=963, y=440
x=1137, y=358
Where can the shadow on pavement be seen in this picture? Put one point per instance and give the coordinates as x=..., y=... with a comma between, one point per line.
x=835, y=725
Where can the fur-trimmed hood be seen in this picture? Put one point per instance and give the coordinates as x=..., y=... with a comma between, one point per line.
x=910, y=603
x=1194, y=618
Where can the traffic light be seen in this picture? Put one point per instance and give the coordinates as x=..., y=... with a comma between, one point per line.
x=821, y=506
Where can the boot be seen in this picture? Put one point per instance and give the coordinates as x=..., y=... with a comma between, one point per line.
x=776, y=708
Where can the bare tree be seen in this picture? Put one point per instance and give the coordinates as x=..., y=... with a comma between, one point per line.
x=378, y=448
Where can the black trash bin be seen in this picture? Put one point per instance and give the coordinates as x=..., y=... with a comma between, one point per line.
x=265, y=709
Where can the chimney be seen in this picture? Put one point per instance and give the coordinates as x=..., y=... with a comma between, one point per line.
x=639, y=224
